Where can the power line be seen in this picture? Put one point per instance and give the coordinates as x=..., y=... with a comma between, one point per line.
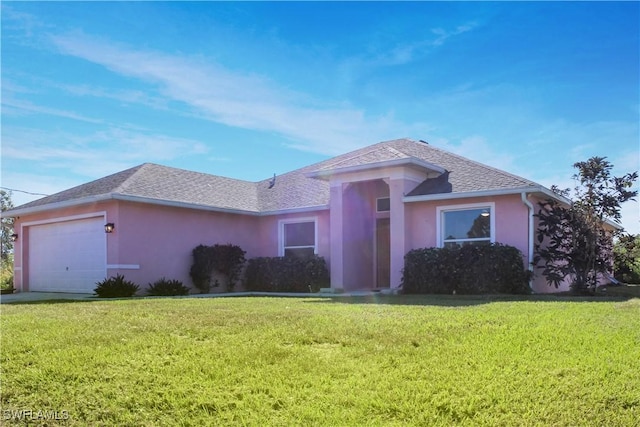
x=22, y=191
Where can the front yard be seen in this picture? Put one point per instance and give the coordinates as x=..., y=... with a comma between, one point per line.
x=419, y=360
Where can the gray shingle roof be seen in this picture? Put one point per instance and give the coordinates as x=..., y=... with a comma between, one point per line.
x=291, y=190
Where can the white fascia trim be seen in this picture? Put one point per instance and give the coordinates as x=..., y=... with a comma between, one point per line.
x=102, y=214
x=296, y=210
x=123, y=266
x=485, y=193
x=147, y=200
x=325, y=173
x=126, y=198
x=58, y=205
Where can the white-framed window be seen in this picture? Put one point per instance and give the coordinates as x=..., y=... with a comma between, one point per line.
x=298, y=237
x=469, y=224
x=383, y=204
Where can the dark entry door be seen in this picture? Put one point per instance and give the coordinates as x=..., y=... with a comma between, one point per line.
x=383, y=253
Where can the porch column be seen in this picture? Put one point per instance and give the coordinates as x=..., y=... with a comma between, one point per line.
x=397, y=231
x=336, y=234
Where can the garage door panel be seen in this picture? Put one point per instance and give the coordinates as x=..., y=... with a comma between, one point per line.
x=67, y=256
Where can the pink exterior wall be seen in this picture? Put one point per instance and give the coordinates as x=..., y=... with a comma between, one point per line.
x=511, y=220
x=511, y=224
x=160, y=239
x=539, y=283
x=269, y=226
x=152, y=241
x=359, y=222
x=108, y=210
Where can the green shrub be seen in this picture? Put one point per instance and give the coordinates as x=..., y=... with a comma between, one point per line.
x=202, y=267
x=471, y=269
x=286, y=274
x=626, y=252
x=6, y=275
x=225, y=259
x=164, y=287
x=116, y=287
x=228, y=260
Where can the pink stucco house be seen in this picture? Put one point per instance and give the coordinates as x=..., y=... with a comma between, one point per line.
x=362, y=211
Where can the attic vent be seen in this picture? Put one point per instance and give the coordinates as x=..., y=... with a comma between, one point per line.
x=383, y=204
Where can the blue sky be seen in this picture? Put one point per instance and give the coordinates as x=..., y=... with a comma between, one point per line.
x=252, y=88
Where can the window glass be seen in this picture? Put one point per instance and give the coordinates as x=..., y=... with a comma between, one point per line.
x=466, y=226
x=299, y=239
x=299, y=252
x=300, y=234
x=383, y=204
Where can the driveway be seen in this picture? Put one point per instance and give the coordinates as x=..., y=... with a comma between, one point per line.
x=41, y=296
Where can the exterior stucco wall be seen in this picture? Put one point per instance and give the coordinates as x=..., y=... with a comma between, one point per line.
x=511, y=222
x=107, y=210
x=359, y=222
x=150, y=241
x=268, y=239
x=539, y=283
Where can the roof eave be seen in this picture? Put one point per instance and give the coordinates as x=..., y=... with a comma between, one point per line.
x=304, y=209
x=409, y=161
x=485, y=193
x=16, y=212
x=123, y=197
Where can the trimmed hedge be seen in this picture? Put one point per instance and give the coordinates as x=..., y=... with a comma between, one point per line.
x=471, y=269
x=286, y=274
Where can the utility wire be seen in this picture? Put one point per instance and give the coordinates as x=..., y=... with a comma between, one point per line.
x=22, y=191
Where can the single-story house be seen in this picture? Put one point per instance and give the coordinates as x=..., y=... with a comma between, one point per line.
x=362, y=211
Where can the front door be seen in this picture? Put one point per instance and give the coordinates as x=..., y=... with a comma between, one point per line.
x=383, y=253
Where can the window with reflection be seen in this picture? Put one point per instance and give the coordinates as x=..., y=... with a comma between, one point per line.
x=466, y=226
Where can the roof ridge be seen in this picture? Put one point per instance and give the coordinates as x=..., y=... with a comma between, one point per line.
x=122, y=185
x=483, y=165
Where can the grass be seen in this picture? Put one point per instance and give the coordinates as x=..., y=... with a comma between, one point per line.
x=289, y=361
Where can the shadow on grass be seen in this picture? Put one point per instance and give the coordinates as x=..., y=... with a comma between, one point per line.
x=613, y=294
x=462, y=300
x=59, y=301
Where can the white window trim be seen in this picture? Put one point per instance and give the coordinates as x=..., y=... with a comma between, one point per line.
x=283, y=222
x=440, y=211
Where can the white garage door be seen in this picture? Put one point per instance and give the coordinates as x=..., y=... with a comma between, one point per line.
x=67, y=256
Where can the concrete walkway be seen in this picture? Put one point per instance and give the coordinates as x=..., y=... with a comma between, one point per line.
x=42, y=296
x=47, y=296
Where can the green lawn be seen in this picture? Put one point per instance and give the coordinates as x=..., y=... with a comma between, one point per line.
x=293, y=361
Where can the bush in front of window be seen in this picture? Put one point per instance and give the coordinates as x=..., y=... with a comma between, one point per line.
x=469, y=269
x=116, y=287
x=286, y=274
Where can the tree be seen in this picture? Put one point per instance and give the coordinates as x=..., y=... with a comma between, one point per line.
x=626, y=258
x=6, y=230
x=573, y=240
x=480, y=228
